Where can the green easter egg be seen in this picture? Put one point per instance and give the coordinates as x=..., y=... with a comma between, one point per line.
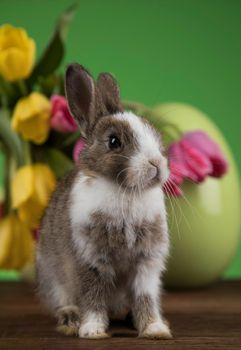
x=204, y=224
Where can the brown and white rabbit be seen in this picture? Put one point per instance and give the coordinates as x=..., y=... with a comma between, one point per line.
x=104, y=237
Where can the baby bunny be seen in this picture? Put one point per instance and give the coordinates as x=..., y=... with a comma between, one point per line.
x=104, y=238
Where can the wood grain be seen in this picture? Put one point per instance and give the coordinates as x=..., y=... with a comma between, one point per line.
x=207, y=318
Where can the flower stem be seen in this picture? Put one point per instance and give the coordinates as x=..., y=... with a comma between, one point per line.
x=22, y=87
x=27, y=152
x=10, y=139
x=7, y=91
x=70, y=139
x=10, y=169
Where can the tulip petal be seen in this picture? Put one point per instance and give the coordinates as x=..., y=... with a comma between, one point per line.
x=15, y=259
x=45, y=183
x=194, y=157
x=13, y=37
x=16, y=243
x=211, y=149
x=198, y=164
x=11, y=64
x=31, y=117
x=6, y=240
x=32, y=186
x=22, y=186
x=177, y=161
x=176, y=175
x=61, y=119
x=17, y=53
x=30, y=212
x=35, y=129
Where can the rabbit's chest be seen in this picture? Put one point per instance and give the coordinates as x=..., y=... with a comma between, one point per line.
x=121, y=244
x=120, y=206
x=115, y=224
x=126, y=230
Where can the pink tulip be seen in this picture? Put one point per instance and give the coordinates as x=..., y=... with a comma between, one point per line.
x=78, y=148
x=177, y=163
x=61, y=119
x=198, y=165
x=212, y=151
x=194, y=157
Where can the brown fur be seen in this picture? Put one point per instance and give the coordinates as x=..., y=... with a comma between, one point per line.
x=67, y=283
x=98, y=159
x=68, y=320
x=116, y=263
x=110, y=93
x=98, y=100
x=143, y=310
x=114, y=165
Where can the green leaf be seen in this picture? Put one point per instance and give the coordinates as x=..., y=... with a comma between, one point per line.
x=57, y=161
x=49, y=85
x=70, y=139
x=8, y=93
x=54, y=52
x=10, y=138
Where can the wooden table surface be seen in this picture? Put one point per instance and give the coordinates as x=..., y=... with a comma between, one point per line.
x=207, y=318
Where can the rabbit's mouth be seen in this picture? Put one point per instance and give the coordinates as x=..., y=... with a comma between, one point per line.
x=144, y=173
x=144, y=179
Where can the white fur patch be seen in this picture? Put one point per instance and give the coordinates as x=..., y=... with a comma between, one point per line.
x=86, y=198
x=148, y=141
x=100, y=194
x=149, y=144
x=91, y=195
x=147, y=281
x=93, y=326
x=158, y=328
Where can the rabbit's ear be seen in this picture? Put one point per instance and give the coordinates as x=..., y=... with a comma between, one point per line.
x=110, y=93
x=80, y=93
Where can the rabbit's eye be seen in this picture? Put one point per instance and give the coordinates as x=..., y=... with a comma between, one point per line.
x=114, y=142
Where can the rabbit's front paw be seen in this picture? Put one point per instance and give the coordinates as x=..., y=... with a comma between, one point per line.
x=94, y=326
x=156, y=330
x=93, y=330
x=68, y=320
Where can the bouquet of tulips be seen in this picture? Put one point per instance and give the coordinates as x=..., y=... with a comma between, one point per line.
x=40, y=140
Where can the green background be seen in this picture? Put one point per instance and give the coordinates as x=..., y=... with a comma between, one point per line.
x=159, y=50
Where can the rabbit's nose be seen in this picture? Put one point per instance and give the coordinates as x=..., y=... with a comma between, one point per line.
x=153, y=169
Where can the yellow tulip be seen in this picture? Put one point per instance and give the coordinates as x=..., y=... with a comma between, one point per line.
x=31, y=117
x=31, y=189
x=17, y=53
x=16, y=243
